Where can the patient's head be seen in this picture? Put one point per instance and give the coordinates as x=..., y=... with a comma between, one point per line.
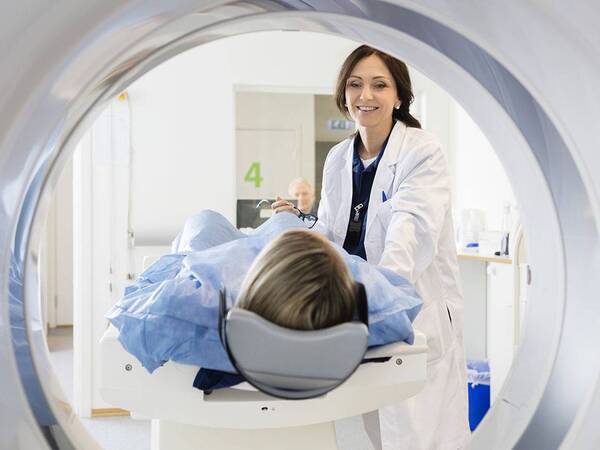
x=299, y=281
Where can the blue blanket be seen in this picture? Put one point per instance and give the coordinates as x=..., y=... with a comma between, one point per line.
x=171, y=311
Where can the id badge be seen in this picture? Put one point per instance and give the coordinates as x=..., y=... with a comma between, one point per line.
x=354, y=227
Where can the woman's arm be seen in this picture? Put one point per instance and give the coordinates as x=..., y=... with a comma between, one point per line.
x=419, y=207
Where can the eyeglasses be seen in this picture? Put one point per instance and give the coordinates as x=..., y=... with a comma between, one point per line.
x=309, y=219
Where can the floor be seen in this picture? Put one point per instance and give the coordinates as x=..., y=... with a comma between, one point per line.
x=112, y=433
x=125, y=433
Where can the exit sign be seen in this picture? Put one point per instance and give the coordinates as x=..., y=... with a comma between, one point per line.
x=340, y=124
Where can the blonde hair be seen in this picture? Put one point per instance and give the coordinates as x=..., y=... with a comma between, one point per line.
x=299, y=281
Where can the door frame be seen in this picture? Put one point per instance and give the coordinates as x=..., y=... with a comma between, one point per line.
x=82, y=278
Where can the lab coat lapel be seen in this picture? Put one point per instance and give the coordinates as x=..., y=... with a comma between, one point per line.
x=346, y=186
x=384, y=177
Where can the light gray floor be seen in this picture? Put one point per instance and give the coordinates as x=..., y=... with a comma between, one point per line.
x=125, y=433
x=112, y=433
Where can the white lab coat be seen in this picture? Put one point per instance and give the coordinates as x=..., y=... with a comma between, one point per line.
x=412, y=234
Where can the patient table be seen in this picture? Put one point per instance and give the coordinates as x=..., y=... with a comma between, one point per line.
x=241, y=417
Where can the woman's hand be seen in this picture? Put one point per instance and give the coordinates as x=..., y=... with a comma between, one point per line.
x=281, y=205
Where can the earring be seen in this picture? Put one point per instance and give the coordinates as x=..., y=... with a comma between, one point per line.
x=397, y=106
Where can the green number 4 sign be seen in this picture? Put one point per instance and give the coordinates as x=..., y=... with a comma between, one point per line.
x=253, y=174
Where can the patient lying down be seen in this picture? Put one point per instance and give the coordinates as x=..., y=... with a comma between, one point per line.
x=284, y=272
x=298, y=281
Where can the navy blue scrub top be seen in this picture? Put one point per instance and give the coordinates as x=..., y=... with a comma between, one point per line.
x=362, y=181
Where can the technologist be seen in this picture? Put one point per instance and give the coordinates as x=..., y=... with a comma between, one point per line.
x=386, y=197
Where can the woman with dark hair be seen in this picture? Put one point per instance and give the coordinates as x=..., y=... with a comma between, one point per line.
x=386, y=198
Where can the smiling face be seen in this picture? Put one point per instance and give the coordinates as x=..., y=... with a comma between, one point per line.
x=371, y=94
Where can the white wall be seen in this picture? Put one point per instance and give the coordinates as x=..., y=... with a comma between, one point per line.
x=183, y=120
x=435, y=112
x=480, y=179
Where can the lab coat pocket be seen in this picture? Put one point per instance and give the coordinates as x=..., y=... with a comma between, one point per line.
x=384, y=213
x=433, y=322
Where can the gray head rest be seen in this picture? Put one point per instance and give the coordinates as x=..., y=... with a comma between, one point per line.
x=292, y=364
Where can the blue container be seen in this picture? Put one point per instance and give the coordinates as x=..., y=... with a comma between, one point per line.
x=478, y=377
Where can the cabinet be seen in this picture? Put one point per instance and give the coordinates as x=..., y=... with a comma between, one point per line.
x=488, y=289
x=500, y=322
